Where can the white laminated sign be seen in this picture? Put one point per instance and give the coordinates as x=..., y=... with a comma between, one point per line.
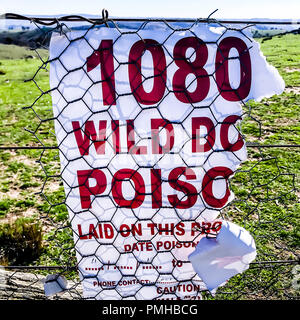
x=146, y=124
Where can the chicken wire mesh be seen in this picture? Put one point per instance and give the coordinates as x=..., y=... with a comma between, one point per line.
x=265, y=201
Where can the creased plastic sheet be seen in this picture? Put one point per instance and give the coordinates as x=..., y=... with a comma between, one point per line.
x=218, y=259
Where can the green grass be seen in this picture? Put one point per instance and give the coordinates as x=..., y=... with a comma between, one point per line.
x=15, y=94
x=265, y=203
x=20, y=242
x=267, y=185
x=284, y=54
x=12, y=52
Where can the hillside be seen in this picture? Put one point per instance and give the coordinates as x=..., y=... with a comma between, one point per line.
x=11, y=51
x=35, y=38
x=24, y=33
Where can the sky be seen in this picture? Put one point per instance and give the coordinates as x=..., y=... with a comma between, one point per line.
x=236, y=9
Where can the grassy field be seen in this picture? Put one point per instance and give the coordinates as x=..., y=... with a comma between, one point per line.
x=16, y=52
x=266, y=187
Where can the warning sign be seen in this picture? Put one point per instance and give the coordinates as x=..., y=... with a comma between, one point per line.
x=147, y=128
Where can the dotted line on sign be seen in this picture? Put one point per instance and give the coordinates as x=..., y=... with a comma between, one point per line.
x=144, y=267
x=152, y=267
x=175, y=282
x=102, y=268
x=121, y=268
x=94, y=269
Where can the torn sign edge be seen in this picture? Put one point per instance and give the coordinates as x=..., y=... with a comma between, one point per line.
x=207, y=246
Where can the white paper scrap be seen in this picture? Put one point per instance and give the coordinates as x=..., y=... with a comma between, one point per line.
x=55, y=283
x=218, y=259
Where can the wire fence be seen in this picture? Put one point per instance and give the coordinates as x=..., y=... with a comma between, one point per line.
x=265, y=191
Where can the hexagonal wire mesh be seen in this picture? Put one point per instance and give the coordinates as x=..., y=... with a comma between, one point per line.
x=265, y=202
